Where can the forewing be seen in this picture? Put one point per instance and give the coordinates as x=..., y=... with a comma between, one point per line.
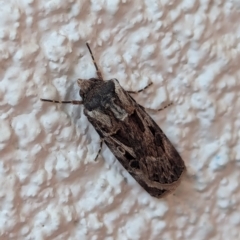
x=137, y=142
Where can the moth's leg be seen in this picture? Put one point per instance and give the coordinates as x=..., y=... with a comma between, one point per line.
x=74, y=102
x=150, y=108
x=160, y=109
x=100, y=148
x=140, y=89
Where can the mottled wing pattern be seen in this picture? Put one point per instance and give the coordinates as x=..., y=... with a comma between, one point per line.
x=136, y=141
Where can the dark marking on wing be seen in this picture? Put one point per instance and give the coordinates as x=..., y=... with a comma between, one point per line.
x=138, y=121
x=128, y=156
x=135, y=164
x=121, y=137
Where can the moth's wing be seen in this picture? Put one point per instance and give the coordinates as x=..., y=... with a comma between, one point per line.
x=163, y=165
x=147, y=154
x=130, y=162
x=169, y=162
x=137, y=142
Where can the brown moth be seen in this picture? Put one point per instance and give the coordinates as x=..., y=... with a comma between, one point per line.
x=130, y=133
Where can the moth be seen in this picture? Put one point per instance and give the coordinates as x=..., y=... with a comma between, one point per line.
x=130, y=133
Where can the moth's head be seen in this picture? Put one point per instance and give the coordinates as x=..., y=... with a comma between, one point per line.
x=87, y=85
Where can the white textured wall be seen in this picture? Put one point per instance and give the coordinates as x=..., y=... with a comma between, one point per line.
x=50, y=186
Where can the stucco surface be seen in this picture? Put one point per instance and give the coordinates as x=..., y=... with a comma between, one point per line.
x=51, y=188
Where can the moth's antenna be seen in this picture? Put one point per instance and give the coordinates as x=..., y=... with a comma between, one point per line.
x=95, y=64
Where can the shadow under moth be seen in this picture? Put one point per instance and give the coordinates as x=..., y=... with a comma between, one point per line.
x=130, y=133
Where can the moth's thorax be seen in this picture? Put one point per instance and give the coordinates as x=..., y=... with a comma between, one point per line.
x=102, y=99
x=87, y=86
x=95, y=92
